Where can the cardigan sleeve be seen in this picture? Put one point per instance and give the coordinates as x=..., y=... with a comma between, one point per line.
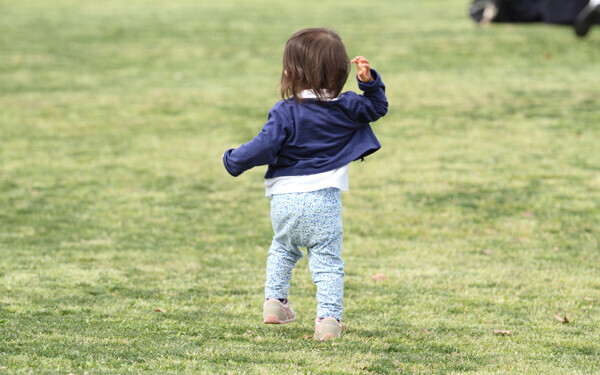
x=261, y=150
x=373, y=103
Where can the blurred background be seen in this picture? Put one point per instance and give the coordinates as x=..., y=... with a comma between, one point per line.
x=482, y=207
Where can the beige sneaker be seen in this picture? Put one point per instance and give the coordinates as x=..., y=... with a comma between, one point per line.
x=328, y=328
x=275, y=312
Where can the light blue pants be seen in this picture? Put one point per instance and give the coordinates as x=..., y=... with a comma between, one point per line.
x=312, y=220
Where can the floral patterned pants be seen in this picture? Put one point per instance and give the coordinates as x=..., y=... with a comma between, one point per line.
x=312, y=220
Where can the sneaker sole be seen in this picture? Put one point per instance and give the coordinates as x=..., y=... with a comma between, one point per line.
x=272, y=319
x=328, y=336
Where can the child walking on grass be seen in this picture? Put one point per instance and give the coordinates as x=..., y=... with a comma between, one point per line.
x=308, y=142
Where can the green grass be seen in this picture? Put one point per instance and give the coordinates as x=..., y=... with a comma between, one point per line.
x=482, y=208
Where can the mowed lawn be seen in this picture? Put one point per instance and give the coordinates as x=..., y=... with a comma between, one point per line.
x=125, y=247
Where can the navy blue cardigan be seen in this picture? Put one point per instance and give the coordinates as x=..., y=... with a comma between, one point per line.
x=314, y=136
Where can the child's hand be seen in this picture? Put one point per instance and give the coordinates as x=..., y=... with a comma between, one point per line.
x=363, y=70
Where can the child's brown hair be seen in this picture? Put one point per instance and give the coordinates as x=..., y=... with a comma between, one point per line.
x=314, y=59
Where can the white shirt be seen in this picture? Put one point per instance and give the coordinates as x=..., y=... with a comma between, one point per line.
x=337, y=178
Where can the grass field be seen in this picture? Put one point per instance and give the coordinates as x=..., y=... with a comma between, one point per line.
x=125, y=247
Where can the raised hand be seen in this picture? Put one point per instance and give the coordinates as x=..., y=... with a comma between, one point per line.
x=363, y=69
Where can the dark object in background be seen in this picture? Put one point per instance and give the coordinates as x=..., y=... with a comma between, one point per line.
x=563, y=12
x=484, y=11
x=586, y=18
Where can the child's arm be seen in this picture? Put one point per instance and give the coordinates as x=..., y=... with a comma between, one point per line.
x=261, y=150
x=374, y=103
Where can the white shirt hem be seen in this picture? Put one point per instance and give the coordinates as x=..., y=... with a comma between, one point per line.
x=337, y=178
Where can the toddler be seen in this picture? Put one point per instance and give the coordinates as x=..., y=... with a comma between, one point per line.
x=308, y=142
